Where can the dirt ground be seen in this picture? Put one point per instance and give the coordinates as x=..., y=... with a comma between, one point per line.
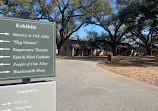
x=141, y=68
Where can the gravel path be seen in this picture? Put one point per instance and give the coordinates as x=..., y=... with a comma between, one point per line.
x=82, y=86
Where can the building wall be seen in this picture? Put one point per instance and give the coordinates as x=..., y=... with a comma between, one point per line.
x=102, y=52
x=65, y=49
x=108, y=49
x=141, y=51
x=155, y=53
x=83, y=52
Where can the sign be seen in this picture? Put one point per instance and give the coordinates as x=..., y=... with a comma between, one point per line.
x=27, y=49
x=28, y=97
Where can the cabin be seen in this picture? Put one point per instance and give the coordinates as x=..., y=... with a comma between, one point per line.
x=87, y=48
x=77, y=48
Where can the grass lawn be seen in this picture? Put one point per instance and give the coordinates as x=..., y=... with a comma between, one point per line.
x=143, y=68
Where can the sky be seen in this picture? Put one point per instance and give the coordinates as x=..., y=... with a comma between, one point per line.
x=82, y=32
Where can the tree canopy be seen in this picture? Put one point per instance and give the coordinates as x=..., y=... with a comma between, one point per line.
x=120, y=19
x=115, y=24
x=146, y=24
x=134, y=19
x=68, y=14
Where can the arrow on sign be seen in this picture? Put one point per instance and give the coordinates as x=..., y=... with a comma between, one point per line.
x=4, y=48
x=6, y=104
x=4, y=72
x=4, y=56
x=2, y=64
x=1, y=41
x=4, y=33
x=7, y=110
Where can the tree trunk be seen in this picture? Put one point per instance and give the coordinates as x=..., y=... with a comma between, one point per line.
x=59, y=45
x=114, y=50
x=148, y=51
x=147, y=47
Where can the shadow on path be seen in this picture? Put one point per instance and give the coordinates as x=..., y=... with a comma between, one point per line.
x=126, y=61
x=87, y=58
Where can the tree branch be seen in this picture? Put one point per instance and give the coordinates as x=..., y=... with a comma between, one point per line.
x=74, y=30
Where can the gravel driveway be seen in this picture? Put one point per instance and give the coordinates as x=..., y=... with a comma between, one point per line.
x=82, y=86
